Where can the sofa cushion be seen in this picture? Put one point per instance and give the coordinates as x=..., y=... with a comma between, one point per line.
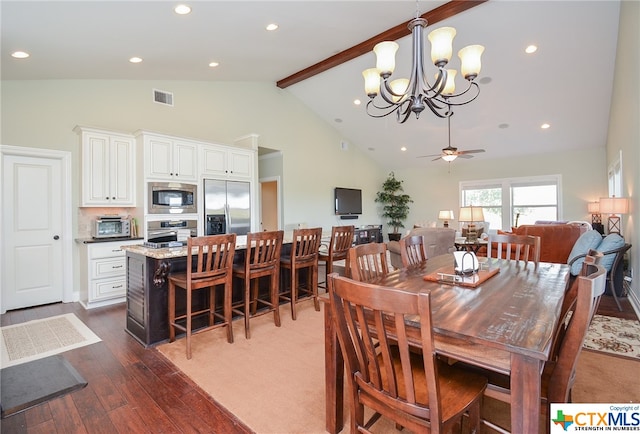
x=556, y=241
x=610, y=242
x=587, y=241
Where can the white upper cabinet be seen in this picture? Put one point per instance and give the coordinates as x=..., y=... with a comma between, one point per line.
x=170, y=159
x=108, y=168
x=227, y=163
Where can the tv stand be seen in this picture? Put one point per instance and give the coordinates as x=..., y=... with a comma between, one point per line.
x=368, y=234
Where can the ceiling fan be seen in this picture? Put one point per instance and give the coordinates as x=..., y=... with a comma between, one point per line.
x=450, y=153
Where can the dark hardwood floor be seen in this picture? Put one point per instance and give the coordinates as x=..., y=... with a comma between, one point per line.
x=132, y=389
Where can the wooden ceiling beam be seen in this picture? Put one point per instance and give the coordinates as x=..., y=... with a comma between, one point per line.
x=443, y=12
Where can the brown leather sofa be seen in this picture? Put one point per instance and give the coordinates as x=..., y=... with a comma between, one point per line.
x=556, y=241
x=437, y=241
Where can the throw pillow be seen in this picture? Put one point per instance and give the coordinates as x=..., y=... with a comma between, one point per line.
x=588, y=240
x=610, y=242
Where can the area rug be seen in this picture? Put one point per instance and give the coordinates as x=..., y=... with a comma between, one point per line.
x=32, y=383
x=617, y=336
x=274, y=382
x=41, y=338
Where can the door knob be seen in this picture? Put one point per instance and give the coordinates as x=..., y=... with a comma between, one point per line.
x=55, y=237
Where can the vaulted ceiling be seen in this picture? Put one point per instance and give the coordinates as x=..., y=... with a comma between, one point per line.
x=567, y=83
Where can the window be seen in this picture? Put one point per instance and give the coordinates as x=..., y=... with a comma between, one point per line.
x=514, y=201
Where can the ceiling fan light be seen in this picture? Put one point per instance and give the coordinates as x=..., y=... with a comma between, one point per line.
x=449, y=157
x=441, y=45
x=371, y=81
x=471, y=64
x=386, y=57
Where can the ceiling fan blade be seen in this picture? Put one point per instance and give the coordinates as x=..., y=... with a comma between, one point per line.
x=470, y=151
x=436, y=159
x=425, y=156
x=464, y=156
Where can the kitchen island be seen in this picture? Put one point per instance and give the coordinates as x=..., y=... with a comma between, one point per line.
x=147, y=271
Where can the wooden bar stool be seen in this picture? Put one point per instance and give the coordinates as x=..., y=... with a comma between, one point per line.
x=214, y=267
x=339, y=245
x=262, y=259
x=304, y=254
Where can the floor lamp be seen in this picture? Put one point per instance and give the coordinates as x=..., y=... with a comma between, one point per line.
x=614, y=206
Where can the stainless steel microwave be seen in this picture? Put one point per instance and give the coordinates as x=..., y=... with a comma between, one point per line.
x=171, y=198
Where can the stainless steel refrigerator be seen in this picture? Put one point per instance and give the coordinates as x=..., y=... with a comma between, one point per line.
x=227, y=207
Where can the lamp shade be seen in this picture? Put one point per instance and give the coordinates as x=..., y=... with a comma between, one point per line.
x=471, y=214
x=593, y=207
x=446, y=214
x=614, y=205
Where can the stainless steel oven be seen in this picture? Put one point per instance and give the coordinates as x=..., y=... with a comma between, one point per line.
x=162, y=232
x=171, y=198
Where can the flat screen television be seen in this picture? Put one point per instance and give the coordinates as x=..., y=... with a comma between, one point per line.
x=348, y=201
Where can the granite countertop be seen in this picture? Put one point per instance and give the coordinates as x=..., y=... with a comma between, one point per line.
x=177, y=252
x=106, y=240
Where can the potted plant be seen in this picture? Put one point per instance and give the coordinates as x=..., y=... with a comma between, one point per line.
x=395, y=205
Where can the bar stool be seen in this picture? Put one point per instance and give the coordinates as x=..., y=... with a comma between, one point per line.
x=262, y=259
x=339, y=245
x=214, y=267
x=304, y=254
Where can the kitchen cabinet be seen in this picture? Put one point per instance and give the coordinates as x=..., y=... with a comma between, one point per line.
x=108, y=168
x=223, y=162
x=170, y=158
x=103, y=272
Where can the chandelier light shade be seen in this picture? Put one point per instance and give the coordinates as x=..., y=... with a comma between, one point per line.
x=445, y=215
x=613, y=206
x=413, y=95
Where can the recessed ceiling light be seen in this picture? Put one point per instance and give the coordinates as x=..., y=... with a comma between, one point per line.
x=545, y=126
x=271, y=27
x=182, y=9
x=531, y=49
x=357, y=102
x=20, y=55
x=404, y=148
x=213, y=64
x=337, y=120
x=135, y=60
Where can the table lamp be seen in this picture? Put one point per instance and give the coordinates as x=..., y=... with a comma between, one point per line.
x=471, y=214
x=596, y=217
x=446, y=215
x=613, y=206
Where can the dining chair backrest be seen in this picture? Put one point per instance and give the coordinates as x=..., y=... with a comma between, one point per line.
x=514, y=247
x=589, y=289
x=368, y=261
x=305, y=245
x=340, y=243
x=209, y=265
x=412, y=250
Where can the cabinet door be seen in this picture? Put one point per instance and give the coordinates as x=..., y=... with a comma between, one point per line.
x=184, y=161
x=214, y=161
x=158, y=155
x=122, y=171
x=240, y=164
x=95, y=169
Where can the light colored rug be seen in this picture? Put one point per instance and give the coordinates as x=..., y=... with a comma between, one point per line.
x=616, y=336
x=36, y=339
x=274, y=382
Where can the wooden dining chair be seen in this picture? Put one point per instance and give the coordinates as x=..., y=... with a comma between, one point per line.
x=262, y=259
x=213, y=268
x=514, y=247
x=367, y=262
x=412, y=250
x=338, y=248
x=412, y=388
x=304, y=255
x=558, y=375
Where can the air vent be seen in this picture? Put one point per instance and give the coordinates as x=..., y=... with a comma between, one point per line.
x=162, y=97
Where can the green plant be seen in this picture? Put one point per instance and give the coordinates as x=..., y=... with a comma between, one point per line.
x=395, y=203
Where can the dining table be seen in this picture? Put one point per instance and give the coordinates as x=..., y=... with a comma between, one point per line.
x=504, y=324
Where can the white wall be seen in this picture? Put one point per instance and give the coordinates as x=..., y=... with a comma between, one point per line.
x=624, y=130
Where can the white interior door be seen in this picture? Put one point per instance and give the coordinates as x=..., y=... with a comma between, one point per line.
x=33, y=228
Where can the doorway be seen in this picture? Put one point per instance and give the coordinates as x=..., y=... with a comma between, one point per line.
x=270, y=204
x=36, y=227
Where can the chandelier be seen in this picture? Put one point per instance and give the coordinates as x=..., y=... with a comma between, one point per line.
x=405, y=96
